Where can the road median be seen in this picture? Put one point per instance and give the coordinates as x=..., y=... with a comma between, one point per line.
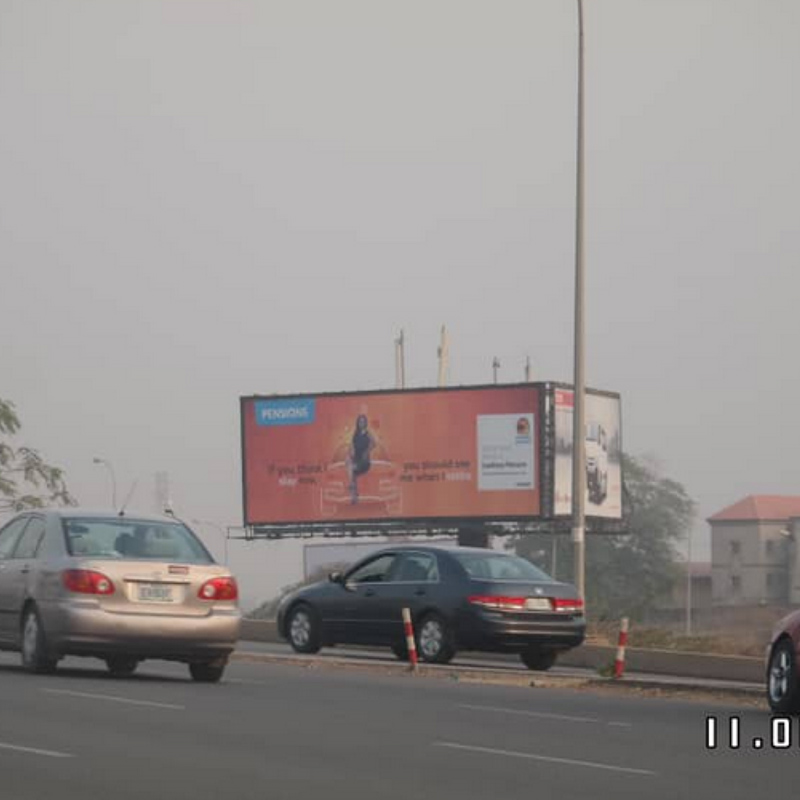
x=671, y=663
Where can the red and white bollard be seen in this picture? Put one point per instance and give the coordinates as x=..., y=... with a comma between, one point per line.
x=619, y=662
x=411, y=644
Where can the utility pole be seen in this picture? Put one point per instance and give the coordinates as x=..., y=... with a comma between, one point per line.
x=400, y=361
x=579, y=424
x=162, y=493
x=110, y=467
x=444, y=357
x=495, y=367
x=689, y=584
x=222, y=532
x=527, y=369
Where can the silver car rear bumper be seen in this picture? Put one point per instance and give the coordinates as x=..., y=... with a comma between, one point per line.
x=75, y=628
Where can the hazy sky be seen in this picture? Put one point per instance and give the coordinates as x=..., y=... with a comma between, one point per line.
x=205, y=199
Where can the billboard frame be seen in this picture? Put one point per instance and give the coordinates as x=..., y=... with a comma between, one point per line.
x=562, y=523
x=543, y=522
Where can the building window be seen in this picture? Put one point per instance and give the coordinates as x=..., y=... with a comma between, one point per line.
x=736, y=548
x=770, y=579
x=736, y=584
x=770, y=547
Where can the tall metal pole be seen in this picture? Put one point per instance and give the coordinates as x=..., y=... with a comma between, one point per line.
x=689, y=585
x=444, y=357
x=579, y=425
x=527, y=369
x=110, y=467
x=400, y=361
x=222, y=532
x=495, y=367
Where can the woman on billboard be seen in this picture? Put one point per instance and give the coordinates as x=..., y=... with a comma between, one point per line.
x=358, y=458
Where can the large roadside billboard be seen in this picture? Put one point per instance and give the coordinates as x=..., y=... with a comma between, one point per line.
x=603, y=443
x=412, y=455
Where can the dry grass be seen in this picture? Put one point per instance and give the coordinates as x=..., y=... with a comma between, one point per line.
x=732, y=644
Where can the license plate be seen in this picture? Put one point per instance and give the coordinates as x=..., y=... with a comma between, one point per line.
x=155, y=593
x=537, y=604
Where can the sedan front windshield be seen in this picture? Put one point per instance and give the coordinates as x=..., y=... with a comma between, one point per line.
x=132, y=539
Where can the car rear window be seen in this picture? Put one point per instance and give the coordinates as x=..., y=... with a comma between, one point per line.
x=133, y=540
x=500, y=567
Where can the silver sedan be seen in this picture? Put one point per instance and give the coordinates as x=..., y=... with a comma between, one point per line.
x=116, y=587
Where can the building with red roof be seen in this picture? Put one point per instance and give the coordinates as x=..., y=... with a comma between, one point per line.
x=753, y=552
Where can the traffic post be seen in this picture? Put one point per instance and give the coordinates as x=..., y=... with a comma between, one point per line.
x=619, y=662
x=411, y=645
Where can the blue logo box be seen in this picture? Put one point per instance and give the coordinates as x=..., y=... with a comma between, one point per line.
x=301, y=411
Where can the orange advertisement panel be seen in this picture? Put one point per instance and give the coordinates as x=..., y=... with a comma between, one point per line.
x=436, y=454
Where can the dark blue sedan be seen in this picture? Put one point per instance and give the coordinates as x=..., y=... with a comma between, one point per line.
x=464, y=598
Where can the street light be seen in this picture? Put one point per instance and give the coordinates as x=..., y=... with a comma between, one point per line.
x=110, y=467
x=222, y=533
x=579, y=415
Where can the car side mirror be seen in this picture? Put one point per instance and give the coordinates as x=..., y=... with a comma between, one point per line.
x=335, y=577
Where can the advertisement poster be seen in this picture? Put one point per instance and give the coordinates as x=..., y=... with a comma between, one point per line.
x=603, y=444
x=395, y=455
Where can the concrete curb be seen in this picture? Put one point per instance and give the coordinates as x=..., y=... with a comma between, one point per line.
x=596, y=657
x=501, y=677
x=699, y=688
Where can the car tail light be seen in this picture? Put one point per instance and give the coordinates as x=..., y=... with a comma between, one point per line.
x=87, y=581
x=498, y=602
x=568, y=605
x=219, y=589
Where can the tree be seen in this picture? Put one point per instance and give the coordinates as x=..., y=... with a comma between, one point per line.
x=26, y=480
x=626, y=575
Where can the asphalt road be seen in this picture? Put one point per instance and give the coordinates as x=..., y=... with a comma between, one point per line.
x=275, y=732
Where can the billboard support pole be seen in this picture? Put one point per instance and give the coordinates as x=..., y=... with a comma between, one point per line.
x=473, y=536
x=400, y=361
x=689, y=584
x=579, y=426
x=444, y=357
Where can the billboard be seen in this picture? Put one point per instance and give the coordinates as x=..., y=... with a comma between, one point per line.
x=603, y=444
x=423, y=454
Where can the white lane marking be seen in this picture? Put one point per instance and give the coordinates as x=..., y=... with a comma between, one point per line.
x=542, y=714
x=536, y=757
x=114, y=699
x=35, y=751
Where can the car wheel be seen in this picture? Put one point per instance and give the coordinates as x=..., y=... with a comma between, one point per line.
x=303, y=629
x=121, y=667
x=207, y=672
x=35, y=656
x=783, y=690
x=435, y=640
x=539, y=660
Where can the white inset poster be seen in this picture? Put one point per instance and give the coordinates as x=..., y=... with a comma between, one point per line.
x=505, y=452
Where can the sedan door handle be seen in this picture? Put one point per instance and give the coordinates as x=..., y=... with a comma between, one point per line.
x=419, y=592
x=369, y=593
x=25, y=570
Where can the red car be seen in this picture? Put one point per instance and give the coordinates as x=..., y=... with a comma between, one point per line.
x=783, y=679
